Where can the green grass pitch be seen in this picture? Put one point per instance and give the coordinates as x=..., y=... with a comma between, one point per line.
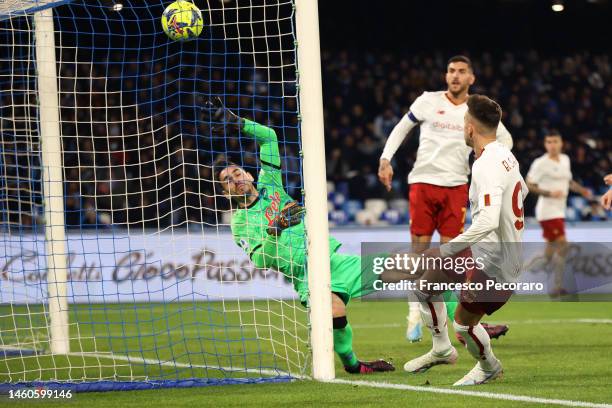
x=554, y=350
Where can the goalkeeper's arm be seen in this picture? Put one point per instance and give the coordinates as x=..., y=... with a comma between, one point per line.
x=221, y=117
x=267, y=140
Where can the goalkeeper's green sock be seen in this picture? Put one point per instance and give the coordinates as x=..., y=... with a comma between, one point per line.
x=451, y=304
x=343, y=342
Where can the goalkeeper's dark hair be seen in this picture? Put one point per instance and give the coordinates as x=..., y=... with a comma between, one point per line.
x=219, y=165
x=460, y=58
x=485, y=110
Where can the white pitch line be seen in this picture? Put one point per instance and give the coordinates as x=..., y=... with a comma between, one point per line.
x=526, y=321
x=596, y=321
x=264, y=328
x=152, y=361
x=481, y=394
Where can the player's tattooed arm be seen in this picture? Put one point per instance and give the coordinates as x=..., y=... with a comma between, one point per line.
x=606, y=199
x=533, y=188
x=580, y=189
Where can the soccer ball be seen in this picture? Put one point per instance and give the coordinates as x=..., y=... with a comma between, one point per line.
x=182, y=20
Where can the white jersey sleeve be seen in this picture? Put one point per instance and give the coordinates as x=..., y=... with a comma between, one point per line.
x=534, y=175
x=397, y=136
x=420, y=107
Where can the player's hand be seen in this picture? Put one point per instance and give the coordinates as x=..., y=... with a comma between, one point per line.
x=586, y=193
x=433, y=252
x=608, y=179
x=429, y=256
x=290, y=215
x=557, y=194
x=606, y=200
x=217, y=116
x=385, y=173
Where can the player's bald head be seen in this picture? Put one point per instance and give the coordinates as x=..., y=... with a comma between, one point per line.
x=484, y=112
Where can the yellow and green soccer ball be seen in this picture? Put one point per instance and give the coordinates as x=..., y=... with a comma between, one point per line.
x=182, y=20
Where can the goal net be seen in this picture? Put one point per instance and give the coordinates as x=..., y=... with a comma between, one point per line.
x=118, y=269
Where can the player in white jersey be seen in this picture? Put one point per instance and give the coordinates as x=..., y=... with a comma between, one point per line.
x=496, y=197
x=550, y=177
x=606, y=199
x=438, y=180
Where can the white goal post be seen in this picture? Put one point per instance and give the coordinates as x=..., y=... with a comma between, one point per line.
x=51, y=162
x=315, y=186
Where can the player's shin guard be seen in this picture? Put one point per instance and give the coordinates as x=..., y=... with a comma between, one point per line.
x=478, y=343
x=433, y=312
x=343, y=342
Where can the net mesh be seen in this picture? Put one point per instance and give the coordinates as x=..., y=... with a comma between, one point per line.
x=157, y=289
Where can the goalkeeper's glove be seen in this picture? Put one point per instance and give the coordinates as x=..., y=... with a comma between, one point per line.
x=289, y=216
x=218, y=116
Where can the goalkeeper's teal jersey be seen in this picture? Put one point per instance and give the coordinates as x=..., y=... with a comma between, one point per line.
x=285, y=253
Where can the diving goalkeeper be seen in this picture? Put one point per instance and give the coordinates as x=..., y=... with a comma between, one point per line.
x=267, y=225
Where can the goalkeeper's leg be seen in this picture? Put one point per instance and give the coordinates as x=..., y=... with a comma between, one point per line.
x=343, y=343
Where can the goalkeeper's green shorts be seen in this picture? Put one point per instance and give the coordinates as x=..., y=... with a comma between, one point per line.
x=347, y=279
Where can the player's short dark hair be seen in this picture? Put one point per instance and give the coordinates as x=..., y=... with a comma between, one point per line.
x=460, y=58
x=221, y=164
x=485, y=110
x=553, y=133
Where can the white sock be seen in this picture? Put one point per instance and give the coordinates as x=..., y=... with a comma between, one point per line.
x=478, y=343
x=433, y=313
x=414, y=310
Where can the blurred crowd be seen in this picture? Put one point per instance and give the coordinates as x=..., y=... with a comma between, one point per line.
x=137, y=153
x=366, y=94
x=136, y=149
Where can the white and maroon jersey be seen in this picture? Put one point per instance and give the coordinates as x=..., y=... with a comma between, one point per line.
x=497, y=193
x=442, y=156
x=551, y=175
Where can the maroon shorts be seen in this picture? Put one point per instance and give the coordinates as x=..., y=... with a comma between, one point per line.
x=485, y=301
x=553, y=229
x=437, y=208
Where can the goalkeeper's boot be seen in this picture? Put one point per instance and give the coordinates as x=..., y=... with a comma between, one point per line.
x=369, y=367
x=479, y=376
x=495, y=331
x=426, y=361
x=414, y=329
